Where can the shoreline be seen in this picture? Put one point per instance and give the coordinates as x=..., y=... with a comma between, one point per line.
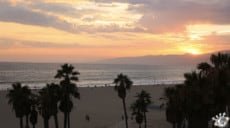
x=37, y=88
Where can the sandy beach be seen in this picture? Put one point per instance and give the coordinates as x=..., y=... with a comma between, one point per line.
x=103, y=107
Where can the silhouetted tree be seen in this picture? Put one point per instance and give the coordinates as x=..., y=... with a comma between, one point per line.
x=137, y=112
x=144, y=99
x=19, y=97
x=27, y=105
x=33, y=111
x=204, y=94
x=174, y=111
x=219, y=60
x=55, y=95
x=204, y=68
x=48, y=103
x=69, y=90
x=123, y=83
x=33, y=116
x=45, y=105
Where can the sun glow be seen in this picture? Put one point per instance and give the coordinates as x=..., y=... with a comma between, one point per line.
x=193, y=51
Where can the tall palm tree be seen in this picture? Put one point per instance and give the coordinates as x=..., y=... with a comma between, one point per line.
x=69, y=90
x=45, y=105
x=144, y=99
x=175, y=105
x=192, y=78
x=33, y=116
x=219, y=60
x=169, y=93
x=33, y=110
x=204, y=68
x=18, y=97
x=123, y=83
x=55, y=93
x=49, y=98
x=137, y=112
x=27, y=105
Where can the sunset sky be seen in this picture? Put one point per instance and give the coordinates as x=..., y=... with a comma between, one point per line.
x=90, y=30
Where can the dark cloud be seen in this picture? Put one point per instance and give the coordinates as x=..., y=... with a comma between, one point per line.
x=24, y=15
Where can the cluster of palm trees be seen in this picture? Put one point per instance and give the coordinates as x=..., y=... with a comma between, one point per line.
x=139, y=107
x=205, y=93
x=54, y=97
x=20, y=99
x=47, y=101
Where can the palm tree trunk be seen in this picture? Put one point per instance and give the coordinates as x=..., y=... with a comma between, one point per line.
x=139, y=125
x=145, y=119
x=65, y=120
x=21, y=122
x=27, y=121
x=56, y=121
x=33, y=126
x=68, y=120
x=125, y=112
x=174, y=125
x=46, y=123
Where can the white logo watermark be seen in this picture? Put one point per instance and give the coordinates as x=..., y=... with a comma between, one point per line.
x=221, y=120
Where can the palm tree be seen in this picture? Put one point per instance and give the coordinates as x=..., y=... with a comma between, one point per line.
x=123, y=83
x=69, y=90
x=33, y=112
x=55, y=92
x=175, y=105
x=219, y=60
x=45, y=105
x=144, y=99
x=33, y=116
x=204, y=68
x=136, y=108
x=192, y=79
x=170, y=109
x=203, y=94
x=18, y=98
x=27, y=105
x=49, y=98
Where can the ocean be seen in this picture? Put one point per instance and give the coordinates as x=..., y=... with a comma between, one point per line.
x=36, y=75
